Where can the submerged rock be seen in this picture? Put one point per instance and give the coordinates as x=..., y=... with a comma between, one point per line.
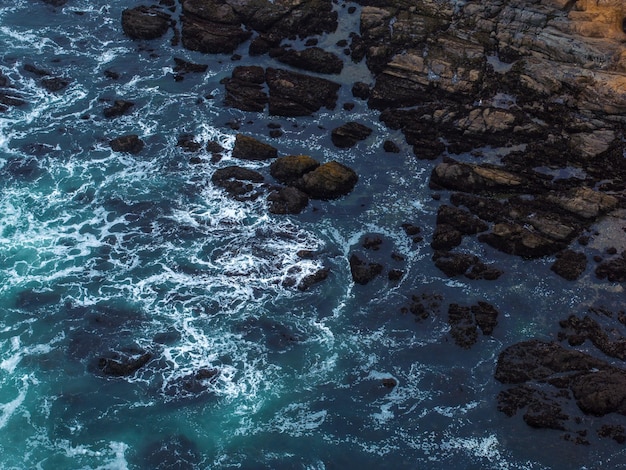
x=238, y=182
x=123, y=366
x=118, y=108
x=130, y=143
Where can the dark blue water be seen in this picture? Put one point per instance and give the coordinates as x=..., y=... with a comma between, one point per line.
x=112, y=255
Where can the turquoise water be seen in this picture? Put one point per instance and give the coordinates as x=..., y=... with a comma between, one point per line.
x=111, y=255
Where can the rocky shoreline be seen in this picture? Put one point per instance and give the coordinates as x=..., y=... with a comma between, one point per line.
x=541, y=84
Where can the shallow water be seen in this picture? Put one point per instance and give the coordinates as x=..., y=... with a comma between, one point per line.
x=103, y=253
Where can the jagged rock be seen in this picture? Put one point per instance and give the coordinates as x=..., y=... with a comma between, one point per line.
x=329, y=181
x=486, y=317
x=237, y=182
x=118, y=108
x=476, y=178
x=249, y=148
x=11, y=100
x=188, y=143
x=130, y=143
x=287, y=200
x=294, y=94
x=183, y=66
x=445, y=237
x=361, y=90
x=123, y=367
x=390, y=147
x=55, y=84
x=614, y=270
x=570, y=264
x=362, y=270
x=313, y=59
x=423, y=306
x=601, y=392
x=454, y=264
x=312, y=279
x=462, y=326
x=144, y=22
x=577, y=331
x=538, y=360
x=349, y=134
x=244, y=90
x=585, y=202
x=289, y=169
x=460, y=220
x=518, y=240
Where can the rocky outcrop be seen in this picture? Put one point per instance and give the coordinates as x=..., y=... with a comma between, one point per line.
x=364, y=271
x=239, y=183
x=290, y=93
x=130, y=143
x=347, y=135
x=289, y=169
x=312, y=59
x=121, y=366
x=330, y=180
x=294, y=94
x=118, y=108
x=144, y=22
x=249, y=148
x=570, y=264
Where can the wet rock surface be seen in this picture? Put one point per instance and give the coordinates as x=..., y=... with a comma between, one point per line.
x=130, y=143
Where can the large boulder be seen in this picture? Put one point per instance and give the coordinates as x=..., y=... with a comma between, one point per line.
x=130, y=143
x=296, y=94
x=143, y=22
x=249, y=148
x=289, y=169
x=329, y=181
x=349, y=134
x=313, y=59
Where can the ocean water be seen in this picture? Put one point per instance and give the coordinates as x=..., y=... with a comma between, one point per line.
x=112, y=255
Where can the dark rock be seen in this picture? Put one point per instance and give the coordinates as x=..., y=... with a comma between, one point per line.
x=123, y=367
x=244, y=89
x=118, y=108
x=395, y=275
x=445, y=237
x=601, y=392
x=615, y=432
x=193, y=385
x=214, y=147
x=424, y=305
x=577, y=331
x=570, y=264
x=11, y=100
x=55, y=84
x=461, y=220
x=294, y=94
x=362, y=270
x=287, y=200
x=210, y=29
x=236, y=181
x=372, y=243
x=289, y=169
x=348, y=106
x=329, y=181
x=144, y=22
x=30, y=68
x=389, y=382
x=130, y=143
x=454, y=264
x=55, y=3
x=312, y=279
x=614, y=270
x=187, y=142
x=361, y=90
x=174, y=452
x=518, y=240
x=480, y=270
x=249, y=148
x=349, y=134
x=390, y=147
x=313, y=59
x=111, y=74
x=462, y=326
x=183, y=66
x=537, y=360
x=486, y=317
